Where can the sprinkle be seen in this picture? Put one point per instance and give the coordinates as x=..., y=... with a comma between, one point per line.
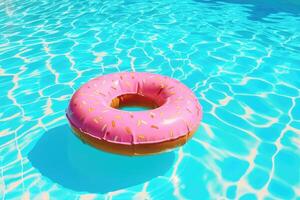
x=104, y=128
x=91, y=109
x=115, y=138
x=189, y=110
x=171, y=133
x=161, y=113
x=139, y=123
x=141, y=137
x=131, y=115
x=113, y=88
x=128, y=130
x=101, y=94
x=96, y=121
x=144, y=122
x=152, y=115
x=99, y=118
x=153, y=126
x=84, y=102
x=121, y=77
x=113, y=123
x=118, y=117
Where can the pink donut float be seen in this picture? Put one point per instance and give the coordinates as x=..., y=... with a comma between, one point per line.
x=94, y=115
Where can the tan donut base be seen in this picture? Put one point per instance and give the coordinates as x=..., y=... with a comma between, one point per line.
x=132, y=150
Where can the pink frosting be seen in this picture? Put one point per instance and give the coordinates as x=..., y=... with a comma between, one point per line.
x=90, y=111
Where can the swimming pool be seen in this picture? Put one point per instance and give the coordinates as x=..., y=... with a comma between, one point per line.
x=242, y=60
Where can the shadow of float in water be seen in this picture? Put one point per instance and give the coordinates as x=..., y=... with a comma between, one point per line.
x=63, y=158
x=263, y=8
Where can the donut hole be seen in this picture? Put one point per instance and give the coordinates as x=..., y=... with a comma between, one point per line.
x=134, y=102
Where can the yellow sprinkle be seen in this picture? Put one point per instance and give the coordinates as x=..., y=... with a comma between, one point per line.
x=128, y=130
x=172, y=93
x=141, y=137
x=113, y=123
x=153, y=126
x=91, y=109
x=139, y=123
x=161, y=113
x=118, y=116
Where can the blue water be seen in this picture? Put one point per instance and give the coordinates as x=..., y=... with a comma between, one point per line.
x=134, y=108
x=241, y=58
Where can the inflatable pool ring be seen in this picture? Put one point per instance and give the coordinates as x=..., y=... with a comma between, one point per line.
x=94, y=115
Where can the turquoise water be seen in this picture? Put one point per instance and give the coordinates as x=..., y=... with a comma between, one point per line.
x=134, y=108
x=241, y=58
